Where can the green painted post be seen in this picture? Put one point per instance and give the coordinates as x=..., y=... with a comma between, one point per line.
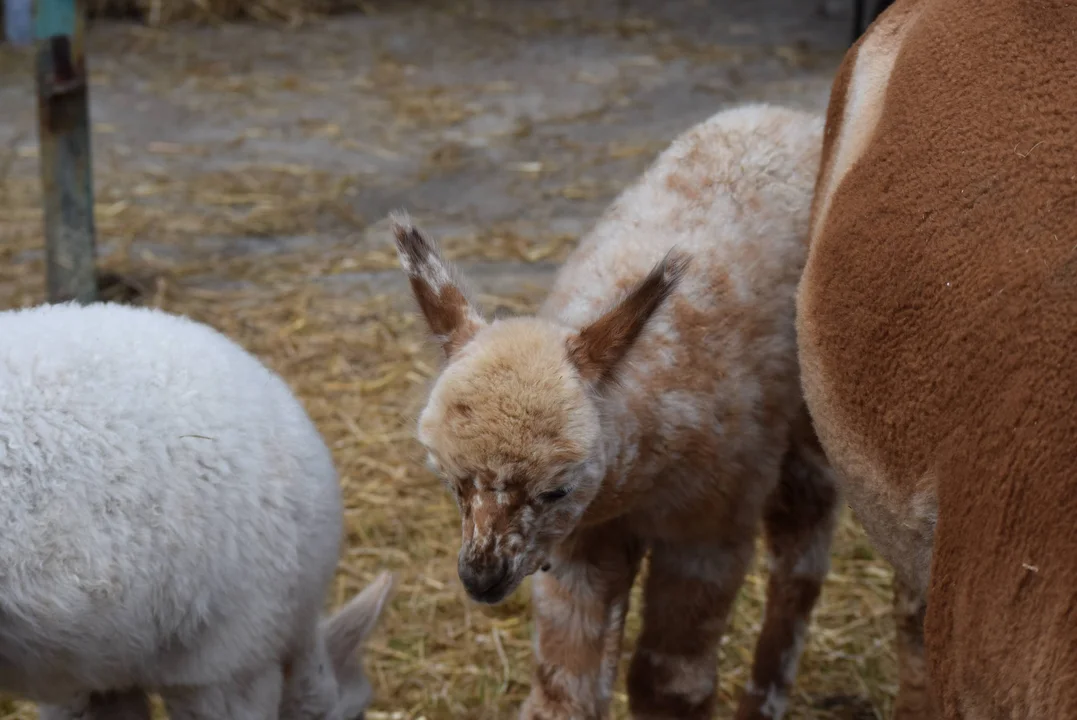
x=18, y=21
x=64, y=136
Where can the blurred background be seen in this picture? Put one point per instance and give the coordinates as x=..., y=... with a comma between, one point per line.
x=245, y=155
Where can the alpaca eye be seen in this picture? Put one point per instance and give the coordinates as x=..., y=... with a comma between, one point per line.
x=554, y=495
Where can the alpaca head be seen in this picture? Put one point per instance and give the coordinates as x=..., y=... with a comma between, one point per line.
x=512, y=423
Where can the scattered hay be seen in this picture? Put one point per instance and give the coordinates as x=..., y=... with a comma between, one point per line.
x=159, y=13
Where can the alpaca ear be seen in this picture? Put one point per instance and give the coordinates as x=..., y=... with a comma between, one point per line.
x=598, y=349
x=438, y=289
x=350, y=626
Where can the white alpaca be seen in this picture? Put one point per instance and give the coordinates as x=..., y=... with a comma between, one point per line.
x=171, y=522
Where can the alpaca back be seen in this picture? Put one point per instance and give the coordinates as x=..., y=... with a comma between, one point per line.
x=170, y=511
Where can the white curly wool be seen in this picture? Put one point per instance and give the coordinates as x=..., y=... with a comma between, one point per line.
x=171, y=522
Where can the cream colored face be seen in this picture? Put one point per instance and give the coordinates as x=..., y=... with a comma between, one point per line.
x=510, y=525
x=512, y=424
x=511, y=429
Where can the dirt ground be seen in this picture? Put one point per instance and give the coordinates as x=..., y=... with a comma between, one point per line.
x=243, y=174
x=518, y=115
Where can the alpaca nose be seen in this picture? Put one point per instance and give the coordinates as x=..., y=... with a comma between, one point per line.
x=485, y=581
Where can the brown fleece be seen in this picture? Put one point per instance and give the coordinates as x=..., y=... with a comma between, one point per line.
x=939, y=318
x=597, y=350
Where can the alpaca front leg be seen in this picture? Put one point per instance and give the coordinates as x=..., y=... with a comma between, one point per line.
x=689, y=593
x=579, y=607
x=799, y=522
x=255, y=696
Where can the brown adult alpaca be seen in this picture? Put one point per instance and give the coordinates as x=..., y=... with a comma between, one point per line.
x=653, y=404
x=937, y=324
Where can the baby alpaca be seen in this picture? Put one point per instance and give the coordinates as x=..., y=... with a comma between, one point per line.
x=653, y=405
x=172, y=521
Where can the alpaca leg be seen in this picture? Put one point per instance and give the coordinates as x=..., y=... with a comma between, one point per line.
x=913, y=701
x=799, y=523
x=580, y=606
x=127, y=705
x=255, y=697
x=689, y=593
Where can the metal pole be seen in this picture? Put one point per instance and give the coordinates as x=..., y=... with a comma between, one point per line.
x=64, y=137
x=19, y=21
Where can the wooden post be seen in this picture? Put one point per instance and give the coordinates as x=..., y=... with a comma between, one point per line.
x=64, y=137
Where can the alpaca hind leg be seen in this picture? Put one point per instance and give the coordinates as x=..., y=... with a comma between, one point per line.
x=799, y=522
x=913, y=701
x=119, y=705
